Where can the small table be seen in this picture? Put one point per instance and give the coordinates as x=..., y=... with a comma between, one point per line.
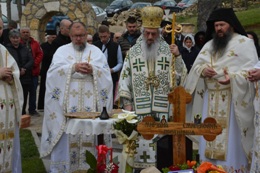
x=90, y=127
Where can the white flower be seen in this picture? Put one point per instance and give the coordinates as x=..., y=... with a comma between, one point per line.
x=128, y=116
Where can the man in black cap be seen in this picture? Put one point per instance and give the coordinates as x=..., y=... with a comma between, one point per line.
x=223, y=63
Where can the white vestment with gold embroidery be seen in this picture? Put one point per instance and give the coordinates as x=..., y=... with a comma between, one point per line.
x=11, y=102
x=255, y=166
x=231, y=105
x=68, y=92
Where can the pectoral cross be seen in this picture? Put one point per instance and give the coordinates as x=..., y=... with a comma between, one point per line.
x=152, y=80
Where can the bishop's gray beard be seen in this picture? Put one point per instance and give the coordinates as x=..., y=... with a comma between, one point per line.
x=220, y=43
x=79, y=47
x=150, y=51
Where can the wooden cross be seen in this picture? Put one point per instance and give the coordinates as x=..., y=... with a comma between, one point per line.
x=179, y=98
x=178, y=129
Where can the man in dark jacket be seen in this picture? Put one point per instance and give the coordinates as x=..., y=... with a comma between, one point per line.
x=63, y=36
x=128, y=39
x=46, y=62
x=24, y=60
x=113, y=53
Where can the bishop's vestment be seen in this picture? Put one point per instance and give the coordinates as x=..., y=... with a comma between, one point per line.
x=145, y=86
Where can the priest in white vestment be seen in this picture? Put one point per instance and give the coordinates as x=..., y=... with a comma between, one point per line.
x=254, y=76
x=78, y=80
x=223, y=63
x=145, y=79
x=11, y=102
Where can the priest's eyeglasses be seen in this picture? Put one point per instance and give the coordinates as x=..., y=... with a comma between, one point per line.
x=79, y=36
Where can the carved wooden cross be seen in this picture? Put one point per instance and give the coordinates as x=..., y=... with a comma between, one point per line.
x=178, y=129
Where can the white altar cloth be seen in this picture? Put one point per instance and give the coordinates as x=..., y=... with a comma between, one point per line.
x=89, y=126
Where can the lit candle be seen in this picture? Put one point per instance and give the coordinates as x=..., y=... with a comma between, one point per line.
x=89, y=56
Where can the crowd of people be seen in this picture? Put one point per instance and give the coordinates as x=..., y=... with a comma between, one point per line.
x=80, y=72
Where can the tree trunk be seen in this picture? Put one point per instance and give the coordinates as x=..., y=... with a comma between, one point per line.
x=205, y=7
x=8, y=7
x=246, y=4
x=19, y=9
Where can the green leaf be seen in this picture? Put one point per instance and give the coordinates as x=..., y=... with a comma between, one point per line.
x=91, y=160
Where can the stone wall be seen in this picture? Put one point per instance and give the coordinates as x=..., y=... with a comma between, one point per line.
x=38, y=12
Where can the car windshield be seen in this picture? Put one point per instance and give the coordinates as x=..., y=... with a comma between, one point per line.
x=158, y=3
x=190, y=2
x=140, y=5
x=116, y=3
x=185, y=1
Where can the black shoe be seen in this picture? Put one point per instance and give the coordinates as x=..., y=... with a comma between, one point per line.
x=35, y=113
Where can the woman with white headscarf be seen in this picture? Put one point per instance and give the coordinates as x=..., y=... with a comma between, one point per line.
x=189, y=51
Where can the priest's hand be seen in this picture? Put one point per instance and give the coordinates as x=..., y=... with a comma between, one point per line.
x=174, y=49
x=208, y=72
x=253, y=75
x=22, y=71
x=6, y=72
x=84, y=68
x=226, y=81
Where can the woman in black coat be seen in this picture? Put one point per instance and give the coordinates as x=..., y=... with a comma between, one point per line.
x=189, y=51
x=23, y=58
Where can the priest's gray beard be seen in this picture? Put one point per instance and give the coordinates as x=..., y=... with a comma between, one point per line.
x=220, y=43
x=150, y=51
x=79, y=47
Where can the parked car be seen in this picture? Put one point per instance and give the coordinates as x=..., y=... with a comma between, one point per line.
x=54, y=22
x=117, y=6
x=100, y=13
x=168, y=4
x=182, y=3
x=140, y=5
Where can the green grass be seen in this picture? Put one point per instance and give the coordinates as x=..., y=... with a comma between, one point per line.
x=31, y=162
x=250, y=19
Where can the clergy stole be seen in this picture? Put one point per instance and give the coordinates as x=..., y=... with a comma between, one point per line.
x=219, y=99
x=150, y=84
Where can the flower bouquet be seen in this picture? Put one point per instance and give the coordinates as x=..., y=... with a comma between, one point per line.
x=204, y=167
x=207, y=167
x=125, y=131
x=188, y=165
